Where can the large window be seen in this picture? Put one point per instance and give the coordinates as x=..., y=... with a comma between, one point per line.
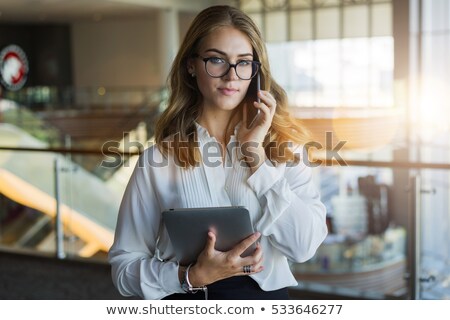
x=353, y=72
x=430, y=118
x=329, y=53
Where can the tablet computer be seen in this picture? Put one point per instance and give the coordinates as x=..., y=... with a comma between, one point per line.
x=188, y=230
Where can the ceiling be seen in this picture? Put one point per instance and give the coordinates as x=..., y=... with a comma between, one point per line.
x=46, y=11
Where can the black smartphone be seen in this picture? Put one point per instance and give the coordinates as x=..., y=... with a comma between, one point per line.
x=252, y=112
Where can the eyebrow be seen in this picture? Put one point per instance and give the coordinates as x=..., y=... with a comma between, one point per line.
x=223, y=53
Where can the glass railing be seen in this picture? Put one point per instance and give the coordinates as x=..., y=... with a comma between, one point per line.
x=36, y=111
x=80, y=128
x=388, y=232
x=433, y=217
x=37, y=185
x=370, y=252
x=83, y=98
x=364, y=254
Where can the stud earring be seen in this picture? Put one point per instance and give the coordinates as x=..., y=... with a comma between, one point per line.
x=193, y=74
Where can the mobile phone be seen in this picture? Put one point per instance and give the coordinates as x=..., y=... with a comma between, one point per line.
x=252, y=112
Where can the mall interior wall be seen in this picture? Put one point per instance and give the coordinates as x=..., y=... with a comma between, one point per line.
x=116, y=53
x=48, y=49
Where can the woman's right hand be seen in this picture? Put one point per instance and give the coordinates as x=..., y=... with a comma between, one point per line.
x=213, y=265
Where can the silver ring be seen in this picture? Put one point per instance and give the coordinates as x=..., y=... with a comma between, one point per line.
x=247, y=269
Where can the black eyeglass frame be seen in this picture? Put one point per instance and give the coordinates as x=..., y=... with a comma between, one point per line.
x=230, y=65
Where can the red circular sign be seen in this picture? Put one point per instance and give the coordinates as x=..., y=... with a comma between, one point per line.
x=13, y=67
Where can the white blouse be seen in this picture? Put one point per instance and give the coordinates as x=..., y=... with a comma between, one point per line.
x=283, y=202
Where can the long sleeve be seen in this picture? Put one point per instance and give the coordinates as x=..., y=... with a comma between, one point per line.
x=293, y=217
x=136, y=271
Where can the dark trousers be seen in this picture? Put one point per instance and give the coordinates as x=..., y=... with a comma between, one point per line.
x=235, y=288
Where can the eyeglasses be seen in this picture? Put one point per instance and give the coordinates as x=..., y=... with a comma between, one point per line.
x=218, y=67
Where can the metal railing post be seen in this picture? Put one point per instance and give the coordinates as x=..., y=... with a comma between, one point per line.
x=59, y=232
x=414, y=237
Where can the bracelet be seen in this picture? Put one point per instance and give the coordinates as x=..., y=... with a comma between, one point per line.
x=187, y=286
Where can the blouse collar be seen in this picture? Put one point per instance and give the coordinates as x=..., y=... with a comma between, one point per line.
x=204, y=136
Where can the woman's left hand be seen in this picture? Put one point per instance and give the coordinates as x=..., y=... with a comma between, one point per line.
x=251, y=140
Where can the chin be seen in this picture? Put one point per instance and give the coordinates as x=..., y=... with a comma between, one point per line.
x=229, y=104
x=228, y=107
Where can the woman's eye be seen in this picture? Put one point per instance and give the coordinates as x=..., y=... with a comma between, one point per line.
x=244, y=62
x=216, y=60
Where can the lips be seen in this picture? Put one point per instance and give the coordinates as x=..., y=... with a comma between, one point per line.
x=228, y=91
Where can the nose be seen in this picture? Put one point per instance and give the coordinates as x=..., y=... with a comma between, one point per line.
x=231, y=75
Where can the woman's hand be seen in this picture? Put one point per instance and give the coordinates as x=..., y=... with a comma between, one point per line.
x=213, y=265
x=251, y=140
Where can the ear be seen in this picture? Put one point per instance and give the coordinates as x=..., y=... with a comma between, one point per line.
x=190, y=66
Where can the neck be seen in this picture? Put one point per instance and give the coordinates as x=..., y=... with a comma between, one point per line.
x=217, y=124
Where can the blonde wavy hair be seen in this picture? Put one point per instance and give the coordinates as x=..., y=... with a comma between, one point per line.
x=178, y=119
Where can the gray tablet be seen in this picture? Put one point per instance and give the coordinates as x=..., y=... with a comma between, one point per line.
x=188, y=230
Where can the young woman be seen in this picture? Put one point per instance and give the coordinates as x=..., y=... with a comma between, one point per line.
x=211, y=90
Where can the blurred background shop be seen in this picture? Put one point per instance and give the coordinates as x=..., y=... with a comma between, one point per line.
x=83, y=82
